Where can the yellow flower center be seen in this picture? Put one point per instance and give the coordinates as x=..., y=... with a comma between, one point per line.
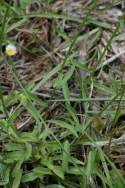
x=23, y=97
x=10, y=52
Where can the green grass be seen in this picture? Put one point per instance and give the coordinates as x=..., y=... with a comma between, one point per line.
x=53, y=128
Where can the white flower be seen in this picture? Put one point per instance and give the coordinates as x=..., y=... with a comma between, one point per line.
x=11, y=50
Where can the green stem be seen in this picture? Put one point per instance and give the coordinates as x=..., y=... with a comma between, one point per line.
x=4, y=25
x=3, y=103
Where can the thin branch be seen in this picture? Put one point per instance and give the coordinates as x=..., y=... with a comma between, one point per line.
x=111, y=59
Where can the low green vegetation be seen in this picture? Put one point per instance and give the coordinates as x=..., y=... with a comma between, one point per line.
x=62, y=101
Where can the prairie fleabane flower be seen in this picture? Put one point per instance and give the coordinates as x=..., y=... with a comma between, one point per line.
x=11, y=50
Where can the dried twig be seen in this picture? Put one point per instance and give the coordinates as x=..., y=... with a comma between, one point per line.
x=118, y=141
x=110, y=60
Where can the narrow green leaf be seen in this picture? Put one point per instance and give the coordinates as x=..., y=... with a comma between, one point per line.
x=50, y=74
x=29, y=137
x=57, y=170
x=32, y=109
x=17, y=179
x=90, y=164
x=66, y=92
x=65, y=125
x=54, y=186
x=62, y=79
x=42, y=170
x=27, y=151
x=31, y=176
x=4, y=174
x=66, y=156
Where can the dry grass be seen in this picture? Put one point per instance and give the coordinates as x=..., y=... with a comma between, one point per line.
x=62, y=95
